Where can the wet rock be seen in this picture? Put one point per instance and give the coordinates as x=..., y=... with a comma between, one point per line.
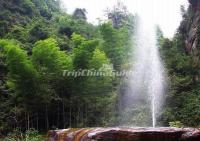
x=125, y=134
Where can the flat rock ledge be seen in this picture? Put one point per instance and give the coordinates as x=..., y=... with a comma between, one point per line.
x=124, y=134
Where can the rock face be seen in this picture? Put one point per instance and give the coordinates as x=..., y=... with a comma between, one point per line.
x=192, y=25
x=125, y=134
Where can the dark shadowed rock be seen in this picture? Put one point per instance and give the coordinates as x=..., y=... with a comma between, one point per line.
x=193, y=24
x=125, y=134
x=193, y=2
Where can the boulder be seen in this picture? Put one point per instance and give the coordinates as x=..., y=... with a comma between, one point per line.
x=125, y=134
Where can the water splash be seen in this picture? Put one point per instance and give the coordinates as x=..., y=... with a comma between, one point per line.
x=146, y=87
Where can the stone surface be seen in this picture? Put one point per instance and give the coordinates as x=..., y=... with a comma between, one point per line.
x=192, y=24
x=125, y=134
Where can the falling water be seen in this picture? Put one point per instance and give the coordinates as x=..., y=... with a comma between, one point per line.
x=146, y=87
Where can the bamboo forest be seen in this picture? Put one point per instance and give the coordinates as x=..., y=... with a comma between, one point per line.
x=99, y=70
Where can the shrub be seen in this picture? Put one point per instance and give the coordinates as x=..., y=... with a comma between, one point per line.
x=177, y=124
x=29, y=135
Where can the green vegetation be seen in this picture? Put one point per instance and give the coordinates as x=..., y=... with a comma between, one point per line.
x=183, y=99
x=177, y=124
x=29, y=135
x=38, y=41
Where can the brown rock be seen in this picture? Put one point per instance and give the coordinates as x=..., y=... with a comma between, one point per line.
x=125, y=134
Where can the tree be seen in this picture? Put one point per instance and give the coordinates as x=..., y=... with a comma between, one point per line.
x=38, y=32
x=34, y=93
x=103, y=82
x=116, y=44
x=119, y=16
x=80, y=14
x=183, y=74
x=50, y=63
x=83, y=51
x=22, y=79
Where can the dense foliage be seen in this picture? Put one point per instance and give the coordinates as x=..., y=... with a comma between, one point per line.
x=183, y=98
x=38, y=42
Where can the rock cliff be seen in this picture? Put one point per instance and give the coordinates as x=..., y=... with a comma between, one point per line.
x=192, y=26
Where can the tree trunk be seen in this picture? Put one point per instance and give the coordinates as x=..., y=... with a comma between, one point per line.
x=47, y=118
x=63, y=110
x=28, y=123
x=70, y=115
x=37, y=122
x=58, y=115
